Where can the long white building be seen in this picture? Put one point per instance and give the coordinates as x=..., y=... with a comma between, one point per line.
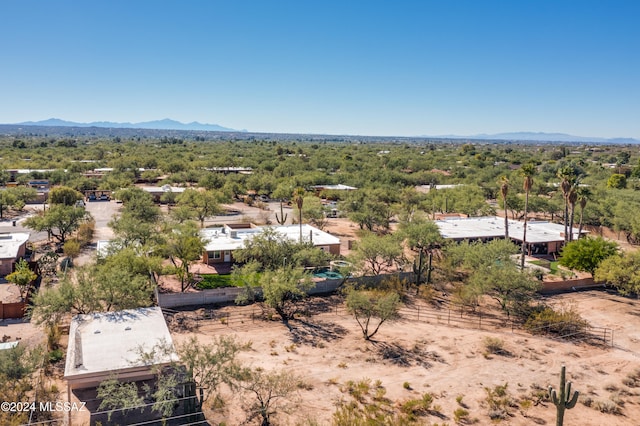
x=542, y=237
x=222, y=241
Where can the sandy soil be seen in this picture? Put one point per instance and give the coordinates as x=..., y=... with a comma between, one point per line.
x=328, y=350
x=9, y=293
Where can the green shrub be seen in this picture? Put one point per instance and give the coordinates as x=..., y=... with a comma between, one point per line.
x=564, y=323
x=418, y=407
x=494, y=345
x=499, y=402
x=460, y=414
x=55, y=355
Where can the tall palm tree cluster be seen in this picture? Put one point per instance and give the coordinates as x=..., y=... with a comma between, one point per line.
x=572, y=193
x=528, y=171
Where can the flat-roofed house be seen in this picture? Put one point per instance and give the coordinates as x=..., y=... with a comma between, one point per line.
x=157, y=191
x=221, y=242
x=13, y=246
x=542, y=237
x=107, y=344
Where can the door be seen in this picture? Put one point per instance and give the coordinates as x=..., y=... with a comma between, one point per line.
x=227, y=256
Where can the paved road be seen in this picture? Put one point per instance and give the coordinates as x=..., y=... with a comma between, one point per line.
x=7, y=225
x=253, y=214
x=103, y=212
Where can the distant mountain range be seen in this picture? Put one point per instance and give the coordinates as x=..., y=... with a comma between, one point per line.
x=542, y=137
x=166, y=124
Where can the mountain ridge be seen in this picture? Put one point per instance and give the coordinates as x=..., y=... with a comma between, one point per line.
x=164, y=124
x=169, y=124
x=540, y=136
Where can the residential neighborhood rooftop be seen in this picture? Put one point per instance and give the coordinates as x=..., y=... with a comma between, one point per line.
x=163, y=188
x=493, y=227
x=338, y=187
x=427, y=188
x=226, y=238
x=108, y=343
x=10, y=244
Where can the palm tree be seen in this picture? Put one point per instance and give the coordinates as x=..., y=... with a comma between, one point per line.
x=528, y=171
x=583, y=197
x=572, y=198
x=567, y=174
x=298, y=198
x=504, y=190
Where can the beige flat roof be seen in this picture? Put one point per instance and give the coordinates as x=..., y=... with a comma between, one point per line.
x=107, y=343
x=10, y=244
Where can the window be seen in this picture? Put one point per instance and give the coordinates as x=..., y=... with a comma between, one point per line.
x=216, y=254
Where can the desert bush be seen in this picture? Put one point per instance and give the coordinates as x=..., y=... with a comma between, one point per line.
x=55, y=355
x=85, y=233
x=415, y=408
x=493, y=345
x=72, y=248
x=377, y=409
x=587, y=401
x=630, y=382
x=499, y=402
x=525, y=406
x=616, y=399
x=566, y=322
x=358, y=390
x=427, y=293
x=394, y=283
x=607, y=407
x=460, y=414
x=633, y=379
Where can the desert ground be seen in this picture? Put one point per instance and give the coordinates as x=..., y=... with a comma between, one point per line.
x=412, y=357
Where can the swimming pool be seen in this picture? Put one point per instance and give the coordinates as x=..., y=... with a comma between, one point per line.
x=327, y=274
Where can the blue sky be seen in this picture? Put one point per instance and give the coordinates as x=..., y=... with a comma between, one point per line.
x=371, y=67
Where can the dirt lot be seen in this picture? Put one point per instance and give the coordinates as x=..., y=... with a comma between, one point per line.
x=327, y=350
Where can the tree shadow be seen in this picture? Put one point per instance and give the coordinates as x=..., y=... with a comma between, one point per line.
x=321, y=305
x=315, y=333
x=537, y=420
x=404, y=357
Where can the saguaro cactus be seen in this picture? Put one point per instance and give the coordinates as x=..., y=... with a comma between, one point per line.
x=283, y=216
x=564, y=401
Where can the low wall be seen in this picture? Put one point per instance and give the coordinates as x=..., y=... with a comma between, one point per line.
x=12, y=310
x=567, y=285
x=202, y=297
x=229, y=294
x=226, y=295
x=326, y=286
